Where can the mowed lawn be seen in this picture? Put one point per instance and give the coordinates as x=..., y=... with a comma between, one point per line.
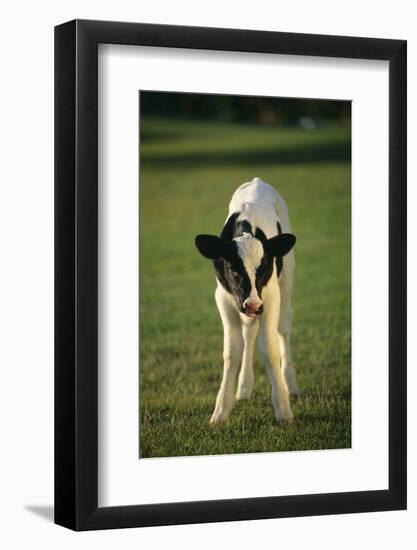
x=188, y=172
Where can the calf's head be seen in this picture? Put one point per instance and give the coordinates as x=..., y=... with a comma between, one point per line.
x=245, y=264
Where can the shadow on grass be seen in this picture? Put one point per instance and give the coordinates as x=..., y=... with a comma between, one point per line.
x=311, y=153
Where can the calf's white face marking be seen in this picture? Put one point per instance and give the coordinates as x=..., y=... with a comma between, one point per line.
x=251, y=251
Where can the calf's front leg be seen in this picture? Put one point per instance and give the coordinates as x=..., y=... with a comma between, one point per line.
x=269, y=347
x=246, y=376
x=280, y=397
x=232, y=354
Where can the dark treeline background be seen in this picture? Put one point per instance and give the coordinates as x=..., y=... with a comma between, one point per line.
x=244, y=109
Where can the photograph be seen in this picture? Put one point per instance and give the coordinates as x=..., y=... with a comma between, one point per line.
x=245, y=274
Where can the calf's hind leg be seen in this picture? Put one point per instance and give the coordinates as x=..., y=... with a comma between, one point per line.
x=284, y=326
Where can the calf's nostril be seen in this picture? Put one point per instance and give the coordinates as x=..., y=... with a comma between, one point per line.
x=253, y=307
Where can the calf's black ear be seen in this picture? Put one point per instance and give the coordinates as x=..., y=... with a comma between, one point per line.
x=280, y=244
x=213, y=247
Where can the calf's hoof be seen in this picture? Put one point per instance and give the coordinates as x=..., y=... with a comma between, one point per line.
x=243, y=393
x=296, y=393
x=291, y=383
x=284, y=419
x=218, y=418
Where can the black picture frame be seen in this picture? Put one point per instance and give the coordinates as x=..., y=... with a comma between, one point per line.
x=76, y=272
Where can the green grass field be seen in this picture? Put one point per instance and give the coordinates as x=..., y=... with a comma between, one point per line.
x=188, y=172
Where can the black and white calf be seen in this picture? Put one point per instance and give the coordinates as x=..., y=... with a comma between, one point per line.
x=254, y=263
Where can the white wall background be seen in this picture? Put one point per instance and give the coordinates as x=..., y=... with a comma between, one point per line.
x=26, y=272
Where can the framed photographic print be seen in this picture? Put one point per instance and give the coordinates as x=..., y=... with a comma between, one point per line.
x=230, y=252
